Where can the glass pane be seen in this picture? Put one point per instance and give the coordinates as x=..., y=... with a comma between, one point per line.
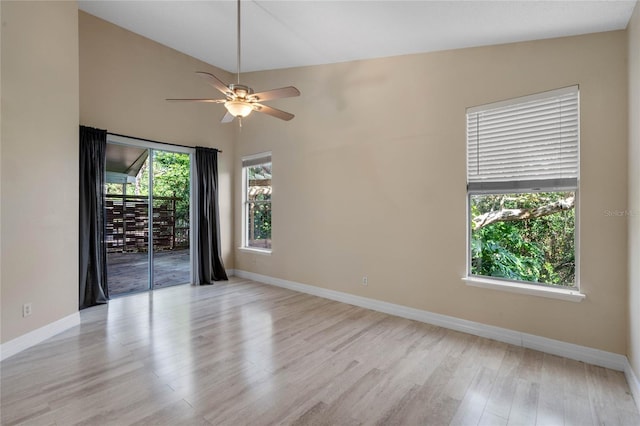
x=259, y=206
x=524, y=237
x=127, y=231
x=171, y=180
x=259, y=224
x=259, y=182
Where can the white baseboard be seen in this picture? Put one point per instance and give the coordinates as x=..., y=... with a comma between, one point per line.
x=38, y=335
x=543, y=344
x=634, y=383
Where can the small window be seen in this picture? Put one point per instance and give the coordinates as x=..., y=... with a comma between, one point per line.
x=256, y=176
x=522, y=184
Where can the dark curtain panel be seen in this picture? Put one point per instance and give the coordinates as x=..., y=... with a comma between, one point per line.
x=93, y=256
x=209, y=255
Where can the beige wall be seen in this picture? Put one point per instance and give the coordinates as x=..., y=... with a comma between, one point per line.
x=124, y=80
x=39, y=171
x=369, y=179
x=634, y=189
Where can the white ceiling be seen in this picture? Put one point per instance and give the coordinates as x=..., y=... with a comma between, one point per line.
x=282, y=34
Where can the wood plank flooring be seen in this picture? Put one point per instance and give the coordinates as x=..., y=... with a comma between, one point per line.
x=244, y=353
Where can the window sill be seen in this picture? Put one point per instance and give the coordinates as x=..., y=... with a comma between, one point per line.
x=522, y=288
x=264, y=252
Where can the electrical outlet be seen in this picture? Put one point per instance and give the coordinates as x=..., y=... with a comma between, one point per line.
x=365, y=280
x=26, y=309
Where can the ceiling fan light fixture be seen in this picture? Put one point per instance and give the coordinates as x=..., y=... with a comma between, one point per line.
x=240, y=100
x=238, y=108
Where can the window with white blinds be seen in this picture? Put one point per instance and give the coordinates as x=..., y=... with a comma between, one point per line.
x=525, y=143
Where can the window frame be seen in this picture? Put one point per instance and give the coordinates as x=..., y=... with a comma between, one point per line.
x=571, y=293
x=255, y=160
x=507, y=281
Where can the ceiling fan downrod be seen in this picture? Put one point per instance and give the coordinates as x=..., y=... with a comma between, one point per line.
x=238, y=25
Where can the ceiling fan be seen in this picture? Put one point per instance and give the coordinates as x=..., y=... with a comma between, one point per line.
x=240, y=100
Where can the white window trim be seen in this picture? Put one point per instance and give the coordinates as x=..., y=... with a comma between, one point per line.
x=572, y=295
x=526, y=98
x=245, y=219
x=264, y=252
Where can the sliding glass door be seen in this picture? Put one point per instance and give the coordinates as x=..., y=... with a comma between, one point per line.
x=148, y=226
x=170, y=198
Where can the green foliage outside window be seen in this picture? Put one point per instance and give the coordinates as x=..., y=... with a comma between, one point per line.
x=171, y=174
x=171, y=178
x=536, y=249
x=259, y=205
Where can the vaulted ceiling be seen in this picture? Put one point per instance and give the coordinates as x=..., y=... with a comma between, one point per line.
x=282, y=34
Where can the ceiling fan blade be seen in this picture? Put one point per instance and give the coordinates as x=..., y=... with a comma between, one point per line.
x=274, y=112
x=213, y=101
x=283, y=92
x=228, y=118
x=214, y=81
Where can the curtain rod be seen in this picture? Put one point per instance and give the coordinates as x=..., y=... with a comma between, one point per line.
x=151, y=140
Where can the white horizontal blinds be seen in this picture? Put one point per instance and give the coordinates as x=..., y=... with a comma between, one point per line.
x=255, y=160
x=524, y=143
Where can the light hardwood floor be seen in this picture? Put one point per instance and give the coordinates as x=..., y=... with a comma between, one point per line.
x=244, y=353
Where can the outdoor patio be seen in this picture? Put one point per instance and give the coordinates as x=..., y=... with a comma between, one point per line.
x=128, y=272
